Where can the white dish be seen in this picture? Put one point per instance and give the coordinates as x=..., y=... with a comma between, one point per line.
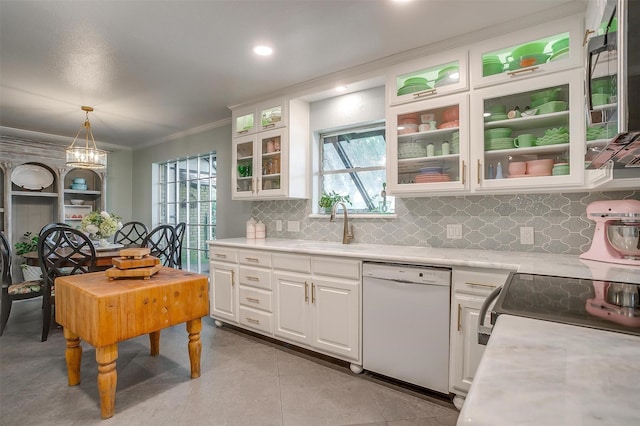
x=111, y=246
x=30, y=176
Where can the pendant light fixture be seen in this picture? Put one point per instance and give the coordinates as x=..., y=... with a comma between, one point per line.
x=87, y=157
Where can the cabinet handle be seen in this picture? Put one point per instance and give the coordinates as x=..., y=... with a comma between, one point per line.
x=479, y=171
x=250, y=278
x=222, y=256
x=251, y=259
x=313, y=293
x=306, y=292
x=253, y=321
x=586, y=36
x=424, y=93
x=464, y=172
x=253, y=300
x=232, y=277
x=475, y=284
x=515, y=73
x=459, y=312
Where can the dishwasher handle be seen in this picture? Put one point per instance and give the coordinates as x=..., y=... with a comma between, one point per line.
x=485, y=331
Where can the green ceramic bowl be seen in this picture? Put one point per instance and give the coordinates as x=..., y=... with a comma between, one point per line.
x=446, y=71
x=492, y=68
x=537, y=58
x=557, y=46
x=498, y=132
x=413, y=81
x=553, y=106
x=532, y=48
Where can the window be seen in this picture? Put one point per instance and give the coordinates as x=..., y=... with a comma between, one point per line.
x=187, y=193
x=353, y=162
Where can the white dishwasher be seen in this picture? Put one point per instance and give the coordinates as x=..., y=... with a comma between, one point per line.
x=405, y=323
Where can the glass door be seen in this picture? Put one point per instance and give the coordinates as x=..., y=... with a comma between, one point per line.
x=243, y=172
x=270, y=145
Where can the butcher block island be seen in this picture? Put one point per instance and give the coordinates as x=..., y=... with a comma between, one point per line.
x=105, y=311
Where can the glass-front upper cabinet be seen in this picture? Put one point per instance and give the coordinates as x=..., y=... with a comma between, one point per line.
x=427, y=146
x=259, y=164
x=536, y=51
x=259, y=117
x=427, y=78
x=529, y=134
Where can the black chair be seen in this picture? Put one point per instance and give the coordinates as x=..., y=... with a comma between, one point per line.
x=62, y=251
x=13, y=291
x=51, y=225
x=162, y=243
x=131, y=234
x=180, y=228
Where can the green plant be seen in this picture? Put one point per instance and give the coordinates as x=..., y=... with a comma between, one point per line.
x=29, y=244
x=328, y=199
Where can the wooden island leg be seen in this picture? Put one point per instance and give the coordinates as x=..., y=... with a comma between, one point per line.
x=195, y=345
x=154, y=342
x=73, y=354
x=107, y=379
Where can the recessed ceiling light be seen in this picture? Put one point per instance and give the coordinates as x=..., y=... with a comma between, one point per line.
x=341, y=88
x=262, y=50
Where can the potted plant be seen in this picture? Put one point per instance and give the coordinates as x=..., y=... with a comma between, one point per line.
x=28, y=244
x=328, y=199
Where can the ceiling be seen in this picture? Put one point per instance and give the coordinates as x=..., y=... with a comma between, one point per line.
x=154, y=69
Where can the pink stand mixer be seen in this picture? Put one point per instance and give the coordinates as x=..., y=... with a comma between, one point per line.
x=617, y=235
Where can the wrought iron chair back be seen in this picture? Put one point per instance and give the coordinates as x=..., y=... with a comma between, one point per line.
x=180, y=230
x=131, y=234
x=162, y=243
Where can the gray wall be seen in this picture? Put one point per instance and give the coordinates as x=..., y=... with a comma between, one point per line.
x=119, y=189
x=231, y=215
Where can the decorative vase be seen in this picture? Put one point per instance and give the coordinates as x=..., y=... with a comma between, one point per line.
x=103, y=242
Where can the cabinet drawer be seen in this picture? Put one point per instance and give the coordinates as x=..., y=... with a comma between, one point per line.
x=292, y=262
x=256, y=258
x=254, y=298
x=255, y=277
x=478, y=281
x=334, y=267
x=262, y=321
x=223, y=254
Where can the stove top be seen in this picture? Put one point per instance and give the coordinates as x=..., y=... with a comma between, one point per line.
x=575, y=301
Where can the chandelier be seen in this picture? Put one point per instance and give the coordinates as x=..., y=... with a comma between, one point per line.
x=86, y=157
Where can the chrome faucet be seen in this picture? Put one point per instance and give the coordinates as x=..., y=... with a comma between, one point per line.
x=347, y=233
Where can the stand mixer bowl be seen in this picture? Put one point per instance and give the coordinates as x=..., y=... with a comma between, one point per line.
x=625, y=238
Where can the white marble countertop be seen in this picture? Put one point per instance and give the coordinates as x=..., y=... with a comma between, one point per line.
x=526, y=262
x=537, y=372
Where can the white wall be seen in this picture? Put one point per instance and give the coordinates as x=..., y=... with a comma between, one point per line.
x=231, y=215
x=347, y=110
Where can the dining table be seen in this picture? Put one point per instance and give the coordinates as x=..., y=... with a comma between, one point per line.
x=103, y=258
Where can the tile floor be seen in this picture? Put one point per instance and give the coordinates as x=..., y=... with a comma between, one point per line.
x=245, y=381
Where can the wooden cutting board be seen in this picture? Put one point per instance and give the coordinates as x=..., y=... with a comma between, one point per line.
x=146, y=273
x=129, y=263
x=135, y=253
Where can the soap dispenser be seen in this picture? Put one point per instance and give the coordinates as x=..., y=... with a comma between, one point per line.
x=251, y=229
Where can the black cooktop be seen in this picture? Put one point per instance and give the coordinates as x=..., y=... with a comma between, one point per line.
x=575, y=301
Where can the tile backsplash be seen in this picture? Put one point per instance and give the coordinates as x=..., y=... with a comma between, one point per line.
x=488, y=222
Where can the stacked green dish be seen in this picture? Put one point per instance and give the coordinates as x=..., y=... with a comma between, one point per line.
x=553, y=106
x=498, y=143
x=552, y=139
x=533, y=48
x=498, y=132
x=412, y=85
x=455, y=143
x=446, y=76
x=491, y=65
x=544, y=96
x=596, y=132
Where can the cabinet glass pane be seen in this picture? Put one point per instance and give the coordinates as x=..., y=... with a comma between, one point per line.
x=271, y=115
x=530, y=54
x=271, y=162
x=429, y=146
x=527, y=134
x=244, y=174
x=428, y=79
x=244, y=122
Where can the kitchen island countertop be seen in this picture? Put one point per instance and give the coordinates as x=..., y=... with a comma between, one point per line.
x=525, y=262
x=536, y=372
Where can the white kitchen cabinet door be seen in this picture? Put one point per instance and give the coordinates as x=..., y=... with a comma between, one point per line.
x=224, y=291
x=336, y=313
x=254, y=118
x=466, y=352
x=548, y=58
x=292, y=313
x=558, y=133
x=429, y=77
x=432, y=160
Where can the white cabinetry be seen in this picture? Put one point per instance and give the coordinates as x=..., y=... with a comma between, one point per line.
x=531, y=52
x=269, y=159
x=223, y=291
x=255, y=298
x=470, y=287
x=318, y=304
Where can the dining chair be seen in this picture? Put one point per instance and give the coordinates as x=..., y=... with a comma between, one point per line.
x=62, y=250
x=13, y=291
x=162, y=243
x=131, y=234
x=180, y=228
x=51, y=225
